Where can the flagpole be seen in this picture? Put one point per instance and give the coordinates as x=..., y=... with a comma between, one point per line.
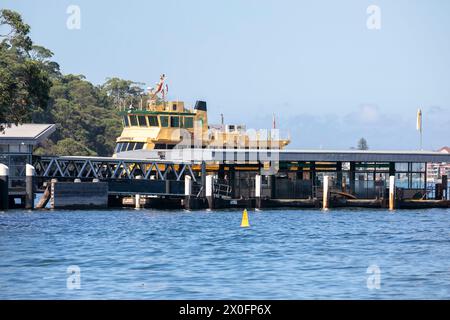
x=419, y=127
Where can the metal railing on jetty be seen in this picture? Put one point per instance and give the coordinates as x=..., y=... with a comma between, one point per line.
x=111, y=168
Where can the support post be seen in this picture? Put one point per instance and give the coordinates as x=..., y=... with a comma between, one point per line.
x=352, y=174
x=203, y=177
x=4, y=187
x=29, y=182
x=187, y=191
x=221, y=172
x=326, y=192
x=52, y=192
x=444, y=187
x=209, y=192
x=167, y=186
x=137, y=199
x=391, y=192
x=258, y=181
x=339, y=175
x=232, y=180
x=273, y=186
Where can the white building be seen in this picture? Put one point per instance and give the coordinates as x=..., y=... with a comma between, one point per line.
x=436, y=170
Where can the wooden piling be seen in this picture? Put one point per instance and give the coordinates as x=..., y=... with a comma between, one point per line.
x=391, y=192
x=29, y=186
x=203, y=177
x=209, y=192
x=187, y=191
x=258, y=191
x=326, y=193
x=137, y=199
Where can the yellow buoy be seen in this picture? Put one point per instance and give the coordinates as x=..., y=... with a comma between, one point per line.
x=244, y=223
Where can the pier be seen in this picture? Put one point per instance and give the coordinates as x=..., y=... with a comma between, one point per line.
x=238, y=178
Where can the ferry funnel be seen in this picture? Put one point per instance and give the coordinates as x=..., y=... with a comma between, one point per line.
x=200, y=105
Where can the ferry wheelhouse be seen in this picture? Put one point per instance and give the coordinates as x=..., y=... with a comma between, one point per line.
x=163, y=125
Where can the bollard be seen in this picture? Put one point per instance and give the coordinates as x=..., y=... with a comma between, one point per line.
x=4, y=181
x=258, y=191
x=391, y=192
x=326, y=192
x=209, y=191
x=29, y=186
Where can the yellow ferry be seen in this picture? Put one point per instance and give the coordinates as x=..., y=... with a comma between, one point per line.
x=162, y=125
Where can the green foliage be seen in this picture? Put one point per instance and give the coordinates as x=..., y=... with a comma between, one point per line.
x=362, y=144
x=32, y=89
x=24, y=80
x=83, y=113
x=69, y=146
x=124, y=92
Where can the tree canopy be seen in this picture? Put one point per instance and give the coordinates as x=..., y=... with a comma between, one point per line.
x=24, y=72
x=32, y=89
x=362, y=144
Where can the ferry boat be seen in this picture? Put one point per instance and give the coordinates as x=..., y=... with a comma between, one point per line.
x=162, y=125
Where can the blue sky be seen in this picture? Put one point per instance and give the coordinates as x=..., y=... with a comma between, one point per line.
x=328, y=77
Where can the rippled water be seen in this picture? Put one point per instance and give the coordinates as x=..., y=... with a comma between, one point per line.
x=285, y=254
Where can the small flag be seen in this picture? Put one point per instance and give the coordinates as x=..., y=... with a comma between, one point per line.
x=419, y=120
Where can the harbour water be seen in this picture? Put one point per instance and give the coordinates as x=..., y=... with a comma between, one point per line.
x=285, y=254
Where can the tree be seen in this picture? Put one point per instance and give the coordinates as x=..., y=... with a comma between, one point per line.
x=83, y=112
x=362, y=144
x=24, y=82
x=32, y=89
x=123, y=92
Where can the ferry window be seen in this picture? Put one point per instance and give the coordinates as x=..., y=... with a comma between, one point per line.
x=118, y=146
x=175, y=122
x=188, y=122
x=133, y=120
x=160, y=146
x=139, y=145
x=123, y=147
x=125, y=121
x=164, y=121
x=131, y=146
x=153, y=121
x=142, y=121
x=174, y=107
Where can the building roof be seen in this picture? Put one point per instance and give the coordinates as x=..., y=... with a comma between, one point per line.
x=444, y=149
x=290, y=155
x=27, y=133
